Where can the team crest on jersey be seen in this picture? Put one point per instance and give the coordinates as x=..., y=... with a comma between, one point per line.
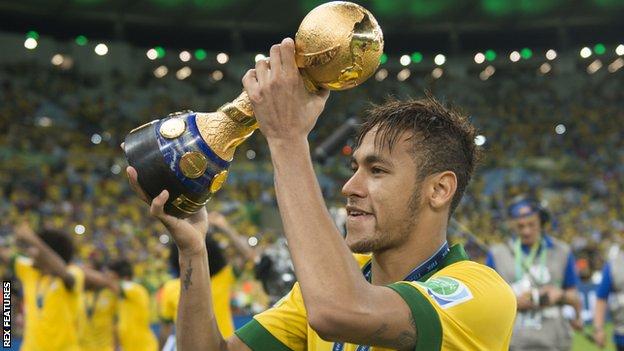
x=447, y=292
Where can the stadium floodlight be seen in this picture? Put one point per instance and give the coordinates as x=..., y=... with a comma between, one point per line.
x=30, y=43
x=222, y=58
x=551, y=54
x=217, y=75
x=620, y=50
x=545, y=68
x=480, y=140
x=479, y=58
x=152, y=54
x=200, y=54
x=439, y=59
x=404, y=74
x=416, y=57
x=185, y=56
x=514, y=56
x=526, y=53
x=437, y=73
x=383, y=59
x=101, y=49
x=585, y=52
x=405, y=60
x=81, y=40
x=381, y=74
x=161, y=71
x=594, y=67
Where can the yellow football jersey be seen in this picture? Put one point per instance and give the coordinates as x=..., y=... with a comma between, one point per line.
x=463, y=305
x=221, y=289
x=98, y=320
x=133, y=319
x=52, y=311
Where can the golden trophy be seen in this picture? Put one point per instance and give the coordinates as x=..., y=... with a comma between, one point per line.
x=337, y=46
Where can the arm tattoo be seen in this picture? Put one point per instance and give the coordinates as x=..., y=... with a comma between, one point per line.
x=187, y=276
x=406, y=340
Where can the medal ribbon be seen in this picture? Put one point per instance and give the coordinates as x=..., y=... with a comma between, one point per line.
x=524, y=263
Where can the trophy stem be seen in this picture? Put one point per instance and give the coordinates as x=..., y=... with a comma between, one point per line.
x=227, y=128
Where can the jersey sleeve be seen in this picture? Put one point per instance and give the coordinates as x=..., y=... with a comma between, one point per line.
x=489, y=260
x=23, y=267
x=605, y=286
x=280, y=328
x=469, y=308
x=571, y=278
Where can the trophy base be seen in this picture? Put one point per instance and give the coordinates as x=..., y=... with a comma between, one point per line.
x=175, y=159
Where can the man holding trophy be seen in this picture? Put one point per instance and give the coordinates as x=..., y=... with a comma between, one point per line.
x=412, y=164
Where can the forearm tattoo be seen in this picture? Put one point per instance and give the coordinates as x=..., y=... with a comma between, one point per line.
x=187, y=276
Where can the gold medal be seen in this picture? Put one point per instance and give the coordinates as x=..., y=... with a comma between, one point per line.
x=217, y=181
x=193, y=164
x=172, y=128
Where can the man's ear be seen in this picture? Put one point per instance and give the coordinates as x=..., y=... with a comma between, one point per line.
x=441, y=189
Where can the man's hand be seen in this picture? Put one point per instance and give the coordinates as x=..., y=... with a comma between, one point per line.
x=285, y=110
x=218, y=220
x=189, y=234
x=600, y=337
x=525, y=301
x=577, y=324
x=25, y=234
x=554, y=294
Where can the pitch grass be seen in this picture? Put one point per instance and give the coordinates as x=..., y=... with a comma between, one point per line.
x=580, y=342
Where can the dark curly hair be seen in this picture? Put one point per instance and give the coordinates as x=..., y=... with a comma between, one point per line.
x=443, y=138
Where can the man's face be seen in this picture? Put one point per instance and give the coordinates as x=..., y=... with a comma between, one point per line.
x=528, y=228
x=381, y=205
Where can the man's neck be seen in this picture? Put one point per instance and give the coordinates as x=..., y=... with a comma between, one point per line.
x=395, y=264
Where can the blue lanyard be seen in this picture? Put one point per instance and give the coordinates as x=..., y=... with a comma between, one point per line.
x=423, y=269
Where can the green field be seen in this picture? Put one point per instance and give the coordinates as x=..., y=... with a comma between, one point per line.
x=580, y=343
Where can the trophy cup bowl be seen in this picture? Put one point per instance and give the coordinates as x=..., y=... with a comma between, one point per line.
x=337, y=46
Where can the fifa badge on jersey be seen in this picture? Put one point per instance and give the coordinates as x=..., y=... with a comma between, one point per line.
x=446, y=292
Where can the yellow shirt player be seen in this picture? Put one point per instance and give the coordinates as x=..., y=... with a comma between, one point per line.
x=52, y=291
x=98, y=320
x=222, y=281
x=411, y=166
x=133, y=322
x=450, y=306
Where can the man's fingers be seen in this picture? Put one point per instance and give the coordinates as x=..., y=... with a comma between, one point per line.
x=323, y=93
x=287, y=55
x=250, y=81
x=275, y=60
x=157, y=207
x=133, y=180
x=262, y=71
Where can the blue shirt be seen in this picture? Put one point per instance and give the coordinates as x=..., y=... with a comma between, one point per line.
x=570, y=277
x=606, y=286
x=602, y=292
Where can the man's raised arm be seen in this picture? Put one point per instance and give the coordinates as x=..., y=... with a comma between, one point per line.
x=196, y=325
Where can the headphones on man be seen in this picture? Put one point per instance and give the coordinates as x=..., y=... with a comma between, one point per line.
x=525, y=206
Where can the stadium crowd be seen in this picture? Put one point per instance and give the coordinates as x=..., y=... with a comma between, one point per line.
x=557, y=137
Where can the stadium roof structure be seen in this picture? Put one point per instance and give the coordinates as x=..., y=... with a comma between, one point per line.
x=252, y=25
